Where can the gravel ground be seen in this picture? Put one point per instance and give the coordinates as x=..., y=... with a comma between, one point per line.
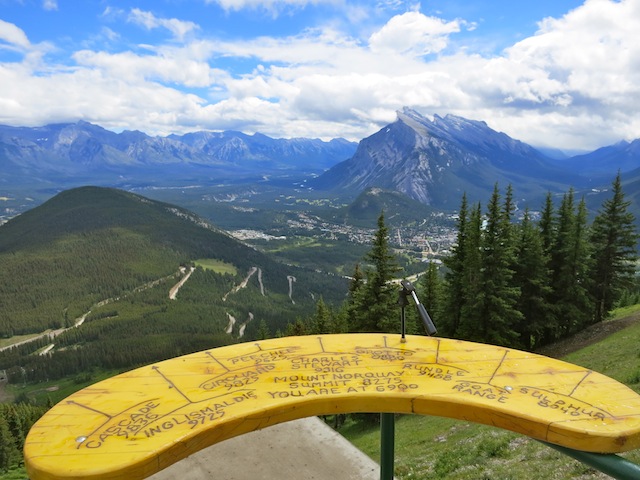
x=305, y=449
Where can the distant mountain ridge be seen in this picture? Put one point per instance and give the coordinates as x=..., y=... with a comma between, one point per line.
x=623, y=156
x=430, y=160
x=83, y=148
x=435, y=161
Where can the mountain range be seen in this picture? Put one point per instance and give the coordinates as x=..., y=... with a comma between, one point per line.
x=430, y=160
x=85, y=149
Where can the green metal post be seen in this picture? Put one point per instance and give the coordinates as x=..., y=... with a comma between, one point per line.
x=613, y=465
x=387, y=445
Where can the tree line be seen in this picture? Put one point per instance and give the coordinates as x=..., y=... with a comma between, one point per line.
x=529, y=284
x=15, y=422
x=522, y=284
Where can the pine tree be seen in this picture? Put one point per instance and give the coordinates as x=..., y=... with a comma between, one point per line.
x=8, y=452
x=499, y=314
x=582, y=268
x=614, y=240
x=547, y=225
x=350, y=310
x=509, y=206
x=472, y=290
x=296, y=329
x=357, y=280
x=15, y=426
x=432, y=293
x=533, y=277
x=455, y=276
x=375, y=302
x=339, y=321
x=321, y=321
x=263, y=330
x=569, y=262
x=431, y=290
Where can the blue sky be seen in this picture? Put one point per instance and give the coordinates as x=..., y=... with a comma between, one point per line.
x=556, y=73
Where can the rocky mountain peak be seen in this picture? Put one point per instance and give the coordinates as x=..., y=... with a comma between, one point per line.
x=434, y=159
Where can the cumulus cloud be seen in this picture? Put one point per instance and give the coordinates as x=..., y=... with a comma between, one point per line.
x=13, y=36
x=413, y=33
x=134, y=68
x=179, y=28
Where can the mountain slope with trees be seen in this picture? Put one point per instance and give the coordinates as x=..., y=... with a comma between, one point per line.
x=110, y=258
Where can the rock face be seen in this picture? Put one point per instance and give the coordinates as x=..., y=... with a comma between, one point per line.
x=434, y=161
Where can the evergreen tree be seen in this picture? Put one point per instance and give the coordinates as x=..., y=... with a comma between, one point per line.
x=350, y=311
x=357, y=280
x=499, y=314
x=509, y=206
x=296, y=329
x=376, y=301
x=263, y=330
x=582, y=270
x=339, y=322
x=547, y=225
x=562, y=278
x=455, y=276
x=472, y=290
x=533, y=277
x=614, y=239
x=570, y=265
x=9, y=454
x=321, y=322
x=431, y=290
x=15, y=426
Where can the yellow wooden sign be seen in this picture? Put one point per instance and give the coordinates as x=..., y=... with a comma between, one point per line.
x=137, y=423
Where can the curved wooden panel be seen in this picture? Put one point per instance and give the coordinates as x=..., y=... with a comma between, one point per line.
x=137, y=423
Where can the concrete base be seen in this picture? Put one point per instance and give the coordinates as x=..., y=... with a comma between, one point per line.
x=305, y=448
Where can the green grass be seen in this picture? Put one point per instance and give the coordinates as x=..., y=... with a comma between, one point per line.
x=216, y=265
x=58, y=390
x=624, y=312
x=618, y=356
x=440, y=448
x=16, y=473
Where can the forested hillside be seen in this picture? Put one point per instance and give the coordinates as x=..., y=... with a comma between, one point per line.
x=108, y=259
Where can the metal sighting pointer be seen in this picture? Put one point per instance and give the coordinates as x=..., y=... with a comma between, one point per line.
x=408, y=288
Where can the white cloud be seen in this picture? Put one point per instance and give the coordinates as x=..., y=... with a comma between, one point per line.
x=173, y=66
x=88, y=94
x=50, y=4
x=179, y=28
x=586, y=64
x=413, y=33
x=13, y=35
